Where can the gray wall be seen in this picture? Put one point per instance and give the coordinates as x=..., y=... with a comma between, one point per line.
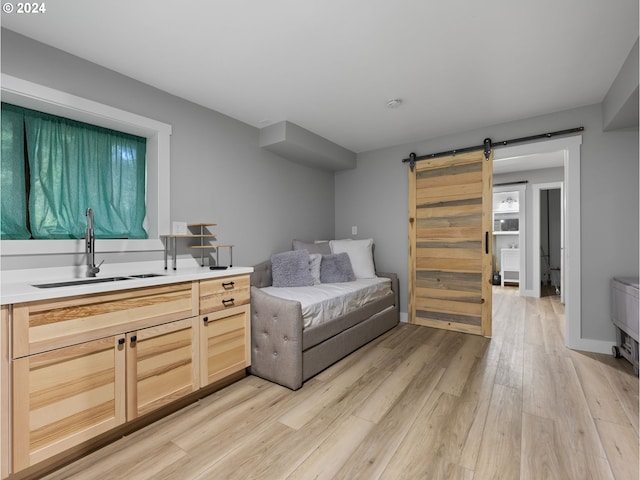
x=374, y=197
x=259, y=200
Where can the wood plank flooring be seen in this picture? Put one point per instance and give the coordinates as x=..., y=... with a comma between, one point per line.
x=416, y=403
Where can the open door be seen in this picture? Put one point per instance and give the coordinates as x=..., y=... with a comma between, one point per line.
x=450, y=250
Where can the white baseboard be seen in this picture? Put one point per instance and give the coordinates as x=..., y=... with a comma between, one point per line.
x=590, y=345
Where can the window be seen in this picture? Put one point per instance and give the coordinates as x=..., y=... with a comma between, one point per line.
x=158, y=134
x=54, y=168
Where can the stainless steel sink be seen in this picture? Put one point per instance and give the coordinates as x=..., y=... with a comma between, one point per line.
x=89, y=281
x=84, y=281
x=147, y=275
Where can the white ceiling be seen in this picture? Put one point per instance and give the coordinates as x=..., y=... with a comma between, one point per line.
x=330, y=66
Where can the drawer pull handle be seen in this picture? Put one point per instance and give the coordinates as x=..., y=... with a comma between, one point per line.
x=228, y=285
x=121, y=341
x=228, y=302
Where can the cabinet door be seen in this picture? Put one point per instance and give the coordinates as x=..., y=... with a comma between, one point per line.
x=66, y=396
x=224, y=343
x=511, y=259
x=161, y=365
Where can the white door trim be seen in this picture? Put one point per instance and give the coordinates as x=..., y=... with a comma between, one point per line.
x=571, y=148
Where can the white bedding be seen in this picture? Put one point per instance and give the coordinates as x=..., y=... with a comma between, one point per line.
x=329, y=300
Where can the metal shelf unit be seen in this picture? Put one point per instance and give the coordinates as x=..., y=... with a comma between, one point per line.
x=202, y=233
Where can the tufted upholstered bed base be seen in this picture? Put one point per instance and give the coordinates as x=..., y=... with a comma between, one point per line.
x=285, y=353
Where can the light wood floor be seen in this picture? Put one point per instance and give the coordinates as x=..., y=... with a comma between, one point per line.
x=416, y=403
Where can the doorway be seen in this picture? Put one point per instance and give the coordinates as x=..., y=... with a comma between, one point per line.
x=510, y=241
x=570, y=147
x=548, y=221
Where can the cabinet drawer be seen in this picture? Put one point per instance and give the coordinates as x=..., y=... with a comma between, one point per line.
x=223, y=285
x=224, y=293
x=49, y=324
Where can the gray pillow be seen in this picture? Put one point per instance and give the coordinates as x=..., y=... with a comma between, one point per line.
x=291, y=269
x=336, y=268
x=322, y=248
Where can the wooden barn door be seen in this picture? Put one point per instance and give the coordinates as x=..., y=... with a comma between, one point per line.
x=450, y=243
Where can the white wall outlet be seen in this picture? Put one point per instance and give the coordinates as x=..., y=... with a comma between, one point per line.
x=354, y=230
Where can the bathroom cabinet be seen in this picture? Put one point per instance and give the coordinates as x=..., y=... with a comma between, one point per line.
x=510, y=265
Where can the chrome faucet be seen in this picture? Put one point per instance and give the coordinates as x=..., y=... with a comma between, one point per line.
x=90, y=246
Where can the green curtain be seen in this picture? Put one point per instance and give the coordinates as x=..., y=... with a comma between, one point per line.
x=74, y=166
x=13, y=186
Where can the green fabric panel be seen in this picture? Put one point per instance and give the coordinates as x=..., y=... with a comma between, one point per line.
x=75, y=166
x=13, y=194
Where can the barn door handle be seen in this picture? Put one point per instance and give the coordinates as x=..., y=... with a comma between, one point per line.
x=486, y=243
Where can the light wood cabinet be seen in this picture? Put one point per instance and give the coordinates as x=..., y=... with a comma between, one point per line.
x=49, y=324
x=70, y=364
x=4, y=391
x=224, y=343
x=66, y=396
x=225, y=327
x=161, y=365
x=81, y=366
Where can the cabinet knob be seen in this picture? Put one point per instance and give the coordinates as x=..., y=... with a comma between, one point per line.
x=205, y=319
x=134, y=339
x=121, y=341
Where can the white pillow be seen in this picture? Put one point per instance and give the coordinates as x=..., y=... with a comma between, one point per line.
x=360, y=253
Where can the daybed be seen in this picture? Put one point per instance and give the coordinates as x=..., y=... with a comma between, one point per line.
x=286, y=351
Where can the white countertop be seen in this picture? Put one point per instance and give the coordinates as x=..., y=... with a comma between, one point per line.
x=17, y=285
